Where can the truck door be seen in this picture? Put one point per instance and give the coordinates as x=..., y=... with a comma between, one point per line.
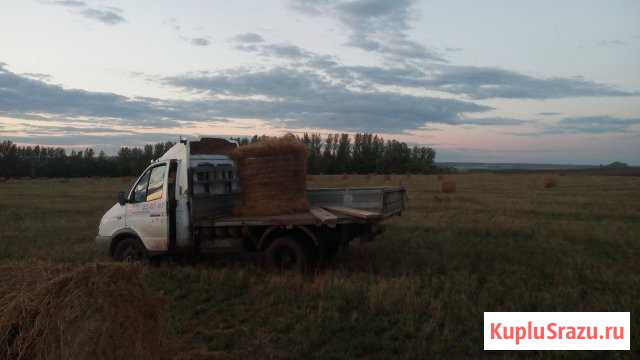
x=146, y=211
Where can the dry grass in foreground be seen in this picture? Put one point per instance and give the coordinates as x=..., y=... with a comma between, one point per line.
x=97, y=311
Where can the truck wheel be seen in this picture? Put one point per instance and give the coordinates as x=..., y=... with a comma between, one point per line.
x=130, y=250
x=286, y=253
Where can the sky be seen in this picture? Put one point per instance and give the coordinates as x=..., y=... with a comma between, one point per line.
x=491, y=81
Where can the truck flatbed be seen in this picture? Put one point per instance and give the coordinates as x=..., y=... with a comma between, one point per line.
x=329, y=206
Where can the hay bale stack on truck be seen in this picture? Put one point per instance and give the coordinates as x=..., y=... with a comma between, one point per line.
x=190, y=202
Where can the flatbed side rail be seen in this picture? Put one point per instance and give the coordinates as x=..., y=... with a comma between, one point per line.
x=386, y=201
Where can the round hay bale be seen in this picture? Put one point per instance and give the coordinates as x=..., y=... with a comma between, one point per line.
x=211, y=146
x=549, y=182
x=79, y=312
x=448, y=186
x=272, y=174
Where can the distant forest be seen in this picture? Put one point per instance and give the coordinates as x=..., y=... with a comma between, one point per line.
x=334, y=154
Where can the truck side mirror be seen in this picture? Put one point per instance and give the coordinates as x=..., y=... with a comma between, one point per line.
x=121, y=199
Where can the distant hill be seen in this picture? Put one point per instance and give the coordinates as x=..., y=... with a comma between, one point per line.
x=469, y=166
x=615, y=168
x=617, y=164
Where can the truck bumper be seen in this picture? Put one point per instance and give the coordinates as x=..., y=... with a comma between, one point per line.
x=103, y=245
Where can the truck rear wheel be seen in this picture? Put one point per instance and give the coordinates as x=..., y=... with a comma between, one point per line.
x=130, y=250
x=286, y=253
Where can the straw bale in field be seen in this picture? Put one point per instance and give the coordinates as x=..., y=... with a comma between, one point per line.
x=78, y=312
x=448, y=186
x=272, y=174
x=549, y=181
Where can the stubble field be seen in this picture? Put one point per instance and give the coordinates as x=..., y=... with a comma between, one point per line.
x=502, y=242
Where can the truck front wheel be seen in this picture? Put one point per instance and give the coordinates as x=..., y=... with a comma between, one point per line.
x=286, y=253
x=130, y=250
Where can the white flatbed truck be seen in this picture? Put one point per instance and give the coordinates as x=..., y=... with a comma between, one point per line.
x=182, y=205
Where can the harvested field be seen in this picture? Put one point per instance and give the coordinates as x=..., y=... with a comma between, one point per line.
x=502, y=242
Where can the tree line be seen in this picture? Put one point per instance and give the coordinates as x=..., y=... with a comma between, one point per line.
x=334, y=154
x=362, y=153
x=43, y=161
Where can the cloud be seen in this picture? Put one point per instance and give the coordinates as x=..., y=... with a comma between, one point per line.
x=70, y=3
x=277, y=82
x=282, y=97
x=396, y=46
x=492, y=121
x=103, y=141
x=108, y=15
x=200, y=42
x=367, y=18
x=304, y=99
x=248, y=38
x=283, y=51
x=378, y=26
x=23, y=97
x=293, y=53
x=311, y=7
x=549, y=113
x=195, y=41
x=173, y=24
x=323, y=97
x=34, y=129
x=477, y=83
x=608, y=43
x=591, y=125
x=38, y=76
x=485, y=82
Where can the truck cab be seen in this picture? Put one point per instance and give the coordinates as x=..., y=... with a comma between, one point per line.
x=182, y=205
